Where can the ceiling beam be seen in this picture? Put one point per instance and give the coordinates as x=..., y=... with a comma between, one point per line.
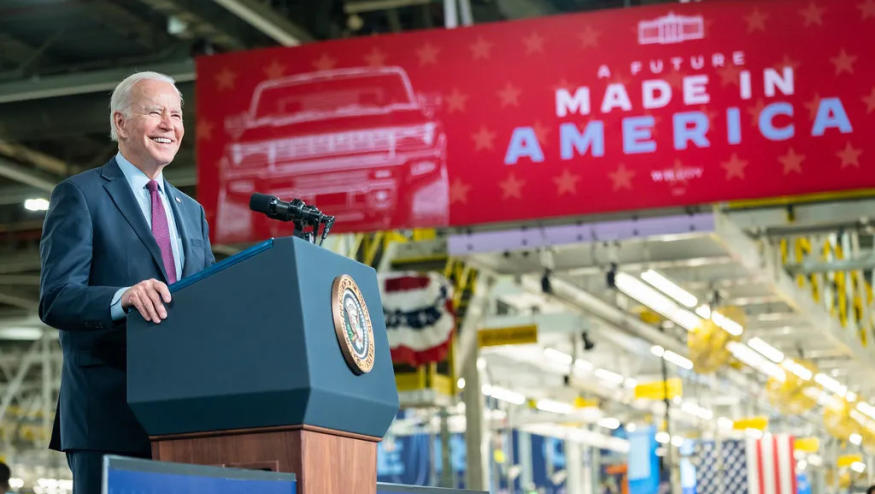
x=360, y=6
x=197, y=24
x=268, y=21
x=19, y=279
x=761, y=257
x=19, y=263
x=18, y=173
x=865, y=261
x=126, y=23
x=180, y=176
x=17, y=194
x=15, y=50
x=88, y=82
x=18, y=301
x=39, y=159
x=806, y=218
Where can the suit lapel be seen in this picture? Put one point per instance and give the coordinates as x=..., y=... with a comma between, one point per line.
x=181, y=226
x=124, y=200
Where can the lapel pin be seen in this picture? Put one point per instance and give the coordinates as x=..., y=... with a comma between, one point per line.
x=179, y=200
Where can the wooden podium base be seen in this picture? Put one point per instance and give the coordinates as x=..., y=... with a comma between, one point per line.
x=324, y=461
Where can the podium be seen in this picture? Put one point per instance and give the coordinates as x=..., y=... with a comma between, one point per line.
x=274, y=359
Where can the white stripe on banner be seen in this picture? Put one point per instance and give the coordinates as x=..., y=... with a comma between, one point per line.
x=753, y=486
x=422, y=339
x=768, y=467
x=786, y=464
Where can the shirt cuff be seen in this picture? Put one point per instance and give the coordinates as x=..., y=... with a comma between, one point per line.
x=115, y=307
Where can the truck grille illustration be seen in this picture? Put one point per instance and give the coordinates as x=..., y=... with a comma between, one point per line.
x=356, y=142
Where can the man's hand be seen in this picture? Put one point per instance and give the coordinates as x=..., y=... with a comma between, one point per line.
x=148, y=297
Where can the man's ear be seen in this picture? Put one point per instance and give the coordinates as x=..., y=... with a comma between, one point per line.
x=118, y=119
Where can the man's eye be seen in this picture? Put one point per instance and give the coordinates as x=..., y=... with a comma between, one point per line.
x=177, y=116
x=154, y=112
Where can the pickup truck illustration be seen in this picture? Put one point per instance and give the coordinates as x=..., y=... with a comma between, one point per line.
x=356, y=142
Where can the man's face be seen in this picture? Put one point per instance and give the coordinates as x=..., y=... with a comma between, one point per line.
x=151, y=129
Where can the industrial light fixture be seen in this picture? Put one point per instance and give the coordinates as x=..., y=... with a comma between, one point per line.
x=21, y=334
x=830, y=384
x=652, y=298
x=609, y=423
x=855, y=439
x=772, y=353
x=753, y=359
x=678, y=360
x=503, y=394
x=697, y=410
x=609, y=376
x=689, y=300
x=670, y=288
x=798, y=369
x=36, y=204
x=557, y=356
x=866, y=408
x=728, y=325
x=553, y=406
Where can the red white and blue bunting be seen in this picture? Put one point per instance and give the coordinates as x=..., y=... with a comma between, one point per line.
x=419, y=316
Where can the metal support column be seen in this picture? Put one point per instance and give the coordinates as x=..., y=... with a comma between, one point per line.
x=451, y=15
x=574, y=467
x=465, y=12
x=586, y=468
x=595, y=467
x=524, y=447
x=476, y=435
x=446, y=479
x=870, y=470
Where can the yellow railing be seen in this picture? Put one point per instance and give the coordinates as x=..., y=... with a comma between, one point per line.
x=845, y=293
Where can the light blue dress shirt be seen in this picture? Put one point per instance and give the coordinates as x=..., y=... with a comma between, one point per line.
x=137, y=180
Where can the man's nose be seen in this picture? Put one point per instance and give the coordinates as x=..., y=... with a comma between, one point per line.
x=166, y=120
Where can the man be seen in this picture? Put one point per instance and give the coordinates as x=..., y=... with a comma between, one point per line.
x=871, y=490
x=114, y=238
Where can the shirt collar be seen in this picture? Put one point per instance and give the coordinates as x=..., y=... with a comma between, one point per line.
x=135, y=177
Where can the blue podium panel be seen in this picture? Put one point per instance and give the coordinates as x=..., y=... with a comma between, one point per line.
x=136, y=476
x=251, y=342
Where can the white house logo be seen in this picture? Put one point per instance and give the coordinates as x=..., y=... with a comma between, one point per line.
x=670, y=29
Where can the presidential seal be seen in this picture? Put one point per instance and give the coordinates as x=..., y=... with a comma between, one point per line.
x=352, y=324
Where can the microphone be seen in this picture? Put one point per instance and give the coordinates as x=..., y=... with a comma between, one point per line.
x=296, y=211
x=276, y=209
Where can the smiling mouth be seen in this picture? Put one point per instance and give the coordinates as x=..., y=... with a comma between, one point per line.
x=162, y=140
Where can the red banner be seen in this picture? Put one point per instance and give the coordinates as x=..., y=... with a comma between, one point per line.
x=645, y=107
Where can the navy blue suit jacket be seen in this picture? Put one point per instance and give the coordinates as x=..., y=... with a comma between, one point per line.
x=95, y=241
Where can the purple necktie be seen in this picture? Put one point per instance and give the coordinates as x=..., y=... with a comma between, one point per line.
x=161, y=232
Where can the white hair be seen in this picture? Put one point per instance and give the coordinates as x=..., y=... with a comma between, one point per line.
x=121, y=95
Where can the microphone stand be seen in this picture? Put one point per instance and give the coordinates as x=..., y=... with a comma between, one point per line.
x=316, y=221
